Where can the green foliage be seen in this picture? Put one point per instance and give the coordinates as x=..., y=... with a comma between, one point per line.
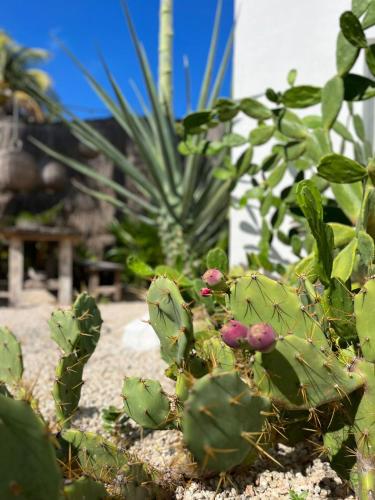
x=178, y=195
x=339, y=169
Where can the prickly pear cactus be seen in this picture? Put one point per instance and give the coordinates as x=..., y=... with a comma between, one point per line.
x=85, y=488
x=171, y=319
x=11, y=365
x=223, y=421
x=146, y=402
x=28, y=463
x=76, y=331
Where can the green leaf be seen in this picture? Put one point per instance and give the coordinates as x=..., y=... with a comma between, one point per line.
x=291, y=78
x=140, y=268
x=341, y=170
x=352, y=29
x=309, y=199
x=217, y=259
x=302, y=96
x=197, y=119
x=359, y=127
x=233, y=140
x=346, y=55
x=370, y=58
x=369, y=19
x=348, y=197
x=341, y=130
x=332, y=99
x=276, y=175
x=291, y=125
x=173, y=274
x=343, y=263
x=312, y=121
x=293, y=150
x=342, y=234
x=359, y=7
x=261, y=134
x=255, y=109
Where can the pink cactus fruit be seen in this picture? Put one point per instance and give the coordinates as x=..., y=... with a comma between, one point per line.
x=233, y=333
x=205, y=292
x=213, y=277
x=261, y=337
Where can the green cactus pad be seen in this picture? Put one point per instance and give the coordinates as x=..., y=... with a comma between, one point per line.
x=64, y=330
x=28, y=463
x=216, y=354
x=298, y=374
x=364, y=427
x=170, y=317
x=221, y=421
x=78, y=328
x=85, y=489
x=67, y=387
x=256, y=298
x=145, y=402
x=365, y=315
x=11, y=365
x=89, y=321
x=97, y=457
x=140, y=484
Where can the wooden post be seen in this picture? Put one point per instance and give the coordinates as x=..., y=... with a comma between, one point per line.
x=65, y=272
x=117, y=286
x=94, y=283
x=15, y=270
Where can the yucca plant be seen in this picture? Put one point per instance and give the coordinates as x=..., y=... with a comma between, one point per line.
x=178, y=194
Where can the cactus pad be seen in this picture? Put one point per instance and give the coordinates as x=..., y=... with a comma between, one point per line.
x=222, y=421
x=97, y=457
x=298, y=374
x=85, y=488
x=67, y=387
x=28, y=463
x=11, y=365
x=256, y=299
x=78, y=328
x=145, y=402
x=170, y=317
x=365, y=315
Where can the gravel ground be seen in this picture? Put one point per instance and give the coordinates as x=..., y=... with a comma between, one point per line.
x=302, y=472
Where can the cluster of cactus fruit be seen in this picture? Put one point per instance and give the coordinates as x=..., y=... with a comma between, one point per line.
x=53, y=460
x=244, y=385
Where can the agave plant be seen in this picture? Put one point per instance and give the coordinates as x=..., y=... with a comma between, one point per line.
x=17, y=75
x=177, y=194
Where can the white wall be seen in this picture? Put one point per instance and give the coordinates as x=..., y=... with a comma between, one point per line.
x=272, y=37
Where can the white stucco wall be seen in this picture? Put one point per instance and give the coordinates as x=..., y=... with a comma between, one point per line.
x=272, y=37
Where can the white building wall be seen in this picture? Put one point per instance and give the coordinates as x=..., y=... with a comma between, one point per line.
x=272, y=37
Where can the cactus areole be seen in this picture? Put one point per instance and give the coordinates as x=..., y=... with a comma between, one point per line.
x=234, y=333
x=261, y=337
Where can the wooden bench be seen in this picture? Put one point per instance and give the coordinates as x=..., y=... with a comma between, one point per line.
x=95, y=269
x=65, y=238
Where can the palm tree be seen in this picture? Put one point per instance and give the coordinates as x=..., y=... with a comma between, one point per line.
x=17, y=74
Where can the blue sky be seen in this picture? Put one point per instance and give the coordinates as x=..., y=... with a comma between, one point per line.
x=84, y=25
